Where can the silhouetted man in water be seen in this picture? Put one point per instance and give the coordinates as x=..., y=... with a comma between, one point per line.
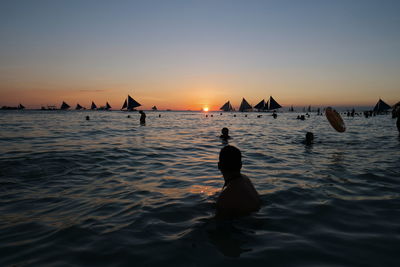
x=225, y=134
x=142, y=117
x=309, y=138
x=398, y=120
x=238, y=196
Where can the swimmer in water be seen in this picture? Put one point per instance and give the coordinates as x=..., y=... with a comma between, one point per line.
x=238, y=196
x=309, y=138
x=142, y=117
x=398, y=119
x=225, y=134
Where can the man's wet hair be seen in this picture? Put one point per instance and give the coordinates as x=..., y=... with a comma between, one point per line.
x=230, y=159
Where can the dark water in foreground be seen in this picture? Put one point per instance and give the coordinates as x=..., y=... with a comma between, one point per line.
x=111, y=192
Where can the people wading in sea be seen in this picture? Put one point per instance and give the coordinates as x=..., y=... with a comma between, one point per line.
x=142, y=117
x=238, y=196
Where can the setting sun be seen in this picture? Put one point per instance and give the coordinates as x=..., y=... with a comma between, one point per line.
x=205, y=109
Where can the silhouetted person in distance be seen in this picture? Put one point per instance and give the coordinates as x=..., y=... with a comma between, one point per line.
x=398, y=123
x=309, y=138
x=87, y=118
x=142, y=117
x=238, y=196
x=398, y=118
x=225, y=134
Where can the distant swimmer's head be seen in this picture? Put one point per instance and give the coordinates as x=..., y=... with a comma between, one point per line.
x=225, y=134
x=230, y=159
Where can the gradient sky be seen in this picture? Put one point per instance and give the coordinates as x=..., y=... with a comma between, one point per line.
x=191, y=54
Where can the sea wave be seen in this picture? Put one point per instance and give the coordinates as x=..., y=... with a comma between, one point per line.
x=112, y=192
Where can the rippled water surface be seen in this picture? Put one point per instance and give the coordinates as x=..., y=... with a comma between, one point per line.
x=109, y=191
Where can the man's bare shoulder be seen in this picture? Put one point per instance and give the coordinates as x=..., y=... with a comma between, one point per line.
x=239, y=197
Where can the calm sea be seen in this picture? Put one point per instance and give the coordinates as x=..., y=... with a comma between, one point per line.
x=110, y=192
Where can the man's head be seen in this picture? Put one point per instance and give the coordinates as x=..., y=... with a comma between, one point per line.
x=230, y=159
x=225, y=131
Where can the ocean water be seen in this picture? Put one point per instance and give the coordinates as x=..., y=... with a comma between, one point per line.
x=110, y=192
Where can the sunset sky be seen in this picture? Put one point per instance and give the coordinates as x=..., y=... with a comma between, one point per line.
x=192, y=54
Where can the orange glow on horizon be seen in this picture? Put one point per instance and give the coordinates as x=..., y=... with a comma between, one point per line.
x=187, y=95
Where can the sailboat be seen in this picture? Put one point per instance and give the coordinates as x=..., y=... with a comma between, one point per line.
x=130, y=104
x=93, y=106
x=12, y=108
x=78, y=107
x=245, y=106
x=108, y=107
x=64, y=106
x=262, y=106
x=381, y=106
x=154, y=108
x=273, y=104
x=227, y=107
